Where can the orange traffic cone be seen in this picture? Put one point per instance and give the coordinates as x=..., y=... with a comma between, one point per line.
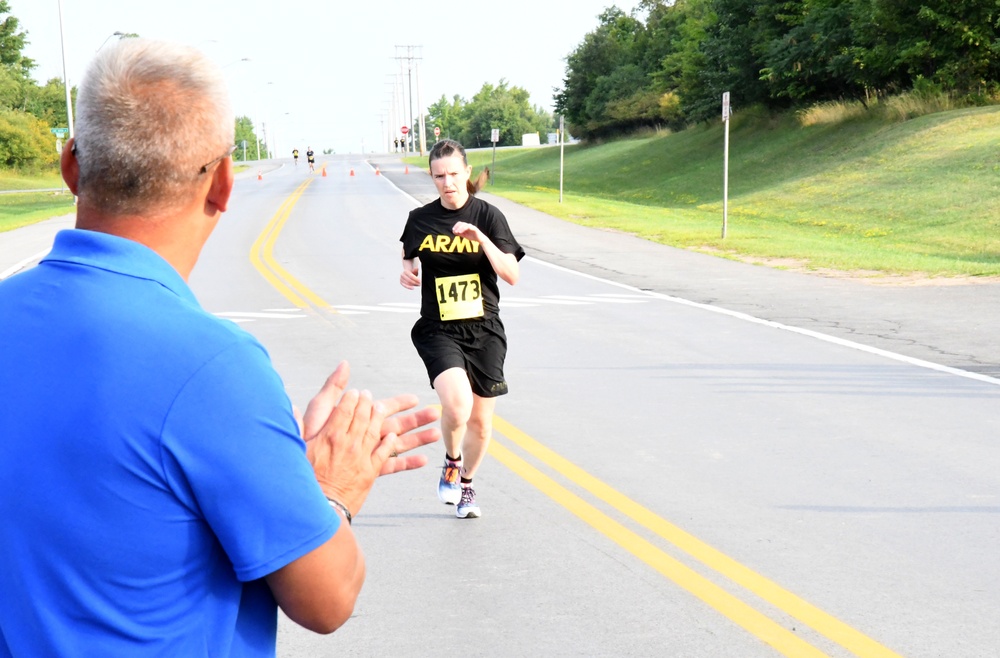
x=407, y=169
x=352, y=172
x=377, y=172
x=260, y=176
x=324, y=172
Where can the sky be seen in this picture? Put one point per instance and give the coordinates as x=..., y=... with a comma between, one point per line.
x=322, y=73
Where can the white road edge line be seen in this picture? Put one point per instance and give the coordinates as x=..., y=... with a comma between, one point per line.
x=920, y=363
x=11, y=271
x=257, y=314
x=375, y=309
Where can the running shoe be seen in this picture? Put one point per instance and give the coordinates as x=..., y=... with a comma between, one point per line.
x=467, y=507
x=449, y=490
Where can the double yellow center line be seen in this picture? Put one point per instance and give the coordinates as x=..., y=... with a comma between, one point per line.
x=745, y=615
x=262, y=256
x=757, y=623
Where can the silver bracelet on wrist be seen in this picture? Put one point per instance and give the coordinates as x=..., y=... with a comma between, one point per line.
x=336, y=504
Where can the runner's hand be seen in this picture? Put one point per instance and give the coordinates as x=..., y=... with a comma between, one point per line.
x=467, y=231
x=410, y=278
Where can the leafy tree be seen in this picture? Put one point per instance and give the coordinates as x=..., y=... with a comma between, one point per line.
x=674, y=33
x=48, y=103
x=15, y=68
x=25, y=141
x=12, y=41
x=449, y=117
x=504, y=108
x=245, y=131
x=808, y=55
x=728, y=60
x=954, y=43
x=603, y=69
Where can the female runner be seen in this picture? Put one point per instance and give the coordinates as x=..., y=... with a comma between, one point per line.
x=462, y=244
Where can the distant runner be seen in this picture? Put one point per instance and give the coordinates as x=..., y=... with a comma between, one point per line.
x=463, y=244
x=295, y=154
x=311, y=158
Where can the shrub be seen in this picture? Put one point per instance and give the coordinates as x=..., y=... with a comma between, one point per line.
x=832, y=112
x=916, y=104
x=25, y=142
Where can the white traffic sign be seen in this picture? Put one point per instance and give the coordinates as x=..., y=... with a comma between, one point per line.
x=495, y=135
x=725, y=106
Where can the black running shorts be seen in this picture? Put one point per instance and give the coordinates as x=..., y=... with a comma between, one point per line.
x=478, y=347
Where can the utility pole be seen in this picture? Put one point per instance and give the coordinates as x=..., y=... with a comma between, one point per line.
x=409, y=73
x=394, y=114
x=420, y=104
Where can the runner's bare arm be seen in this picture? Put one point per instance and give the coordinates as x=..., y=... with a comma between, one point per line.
x=504, y=264
x=410, y=278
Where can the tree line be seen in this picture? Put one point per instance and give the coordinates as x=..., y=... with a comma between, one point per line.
x=668, y=62
x=500, y=107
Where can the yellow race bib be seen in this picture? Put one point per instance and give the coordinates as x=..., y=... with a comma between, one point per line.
x=459, y=297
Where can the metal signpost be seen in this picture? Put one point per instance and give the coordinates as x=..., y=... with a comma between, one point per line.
x=562, y=148
x=494, y=137
x=725, y=165
x=60, y=134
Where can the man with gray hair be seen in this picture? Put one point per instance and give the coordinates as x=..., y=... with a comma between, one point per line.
x=157, y=495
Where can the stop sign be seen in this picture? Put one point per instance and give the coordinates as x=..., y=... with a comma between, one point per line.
x=404, y=130
x=437, y=131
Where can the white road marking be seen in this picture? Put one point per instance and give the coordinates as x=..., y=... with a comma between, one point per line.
x=11, y=271
x=506, y=302
x=621, y=295
x=920, y=363
x=384, y=309
x=545, y=300
x=257, y=314
x=612, y=300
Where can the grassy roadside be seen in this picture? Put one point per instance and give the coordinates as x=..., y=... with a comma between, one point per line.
x=920, y=196
x=18, y=210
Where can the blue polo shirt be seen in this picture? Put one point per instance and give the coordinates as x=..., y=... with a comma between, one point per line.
x=150, y=466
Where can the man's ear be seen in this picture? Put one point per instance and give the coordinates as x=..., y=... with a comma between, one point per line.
x=69, y=166
x=222, y=186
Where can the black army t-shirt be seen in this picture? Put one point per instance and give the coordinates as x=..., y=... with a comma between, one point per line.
x=454, y=271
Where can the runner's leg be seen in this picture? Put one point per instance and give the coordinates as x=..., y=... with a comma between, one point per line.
x=478, y=432
x=455, y=392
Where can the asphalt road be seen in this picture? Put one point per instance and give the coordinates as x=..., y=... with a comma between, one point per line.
x=697, y=458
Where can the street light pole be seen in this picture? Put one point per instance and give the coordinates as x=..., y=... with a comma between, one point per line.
x=69, y=100
x=113, y=34
x=253, y=119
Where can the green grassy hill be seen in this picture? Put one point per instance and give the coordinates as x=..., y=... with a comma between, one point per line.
x=864, y=194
